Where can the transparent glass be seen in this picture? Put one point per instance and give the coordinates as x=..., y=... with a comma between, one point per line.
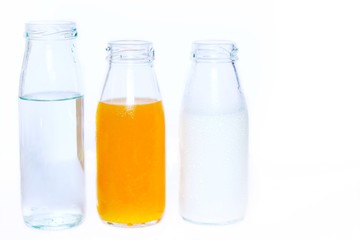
x=213, y=137
x=51, y=128
x=130, y=139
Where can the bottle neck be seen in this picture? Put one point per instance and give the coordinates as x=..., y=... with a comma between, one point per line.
x=50, y=31
x=130, y=52
x=214, y=51
x=51, y=42
x=131, y=74
x=213, y=86
x=50, y=62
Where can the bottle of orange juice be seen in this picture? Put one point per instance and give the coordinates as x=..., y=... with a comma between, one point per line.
x=130, y=138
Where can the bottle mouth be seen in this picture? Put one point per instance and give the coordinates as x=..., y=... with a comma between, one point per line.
x=221, y=50
x=130, y=50
x=47, y=30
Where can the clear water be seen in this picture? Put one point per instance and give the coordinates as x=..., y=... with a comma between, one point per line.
x=52, y=159
x=214, y=151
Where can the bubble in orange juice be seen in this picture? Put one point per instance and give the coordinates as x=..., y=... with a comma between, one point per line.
x=130, y=143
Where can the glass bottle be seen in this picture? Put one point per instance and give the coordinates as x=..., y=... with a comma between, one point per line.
x=130, y=138
x=51, y=128
x=213, y=137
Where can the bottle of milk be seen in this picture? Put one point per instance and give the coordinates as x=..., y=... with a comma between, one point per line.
x=213, y=137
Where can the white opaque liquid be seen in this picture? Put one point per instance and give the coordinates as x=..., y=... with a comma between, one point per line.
x=52, y=163
x=214, y=151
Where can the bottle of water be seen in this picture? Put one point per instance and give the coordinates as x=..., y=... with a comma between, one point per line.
x=213, y=137
x=51, y=128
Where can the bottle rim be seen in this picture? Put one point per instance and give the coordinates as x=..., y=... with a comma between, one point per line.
x=130, y=42
x=220, y=50
x=50, y=30
x=130, y=50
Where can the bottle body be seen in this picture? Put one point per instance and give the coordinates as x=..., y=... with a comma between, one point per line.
x=130, y=140
x=213, y=140
x=51, y=131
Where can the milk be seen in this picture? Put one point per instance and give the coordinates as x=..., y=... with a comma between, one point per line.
x=214, y=152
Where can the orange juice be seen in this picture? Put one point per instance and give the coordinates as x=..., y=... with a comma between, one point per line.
x=130, y=142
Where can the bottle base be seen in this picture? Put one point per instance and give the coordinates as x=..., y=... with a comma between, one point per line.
x=226, y=222
x=131, y=225
x=53, y=222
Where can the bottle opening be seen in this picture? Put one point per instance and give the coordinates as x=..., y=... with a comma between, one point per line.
x=45, y=30
x=221, y=50
x=130, y=50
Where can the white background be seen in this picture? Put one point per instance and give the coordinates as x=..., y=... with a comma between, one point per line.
x=299, y=63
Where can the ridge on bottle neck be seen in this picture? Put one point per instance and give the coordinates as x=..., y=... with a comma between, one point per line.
x=214, y=50
x=122, y=51
x=51, y=30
